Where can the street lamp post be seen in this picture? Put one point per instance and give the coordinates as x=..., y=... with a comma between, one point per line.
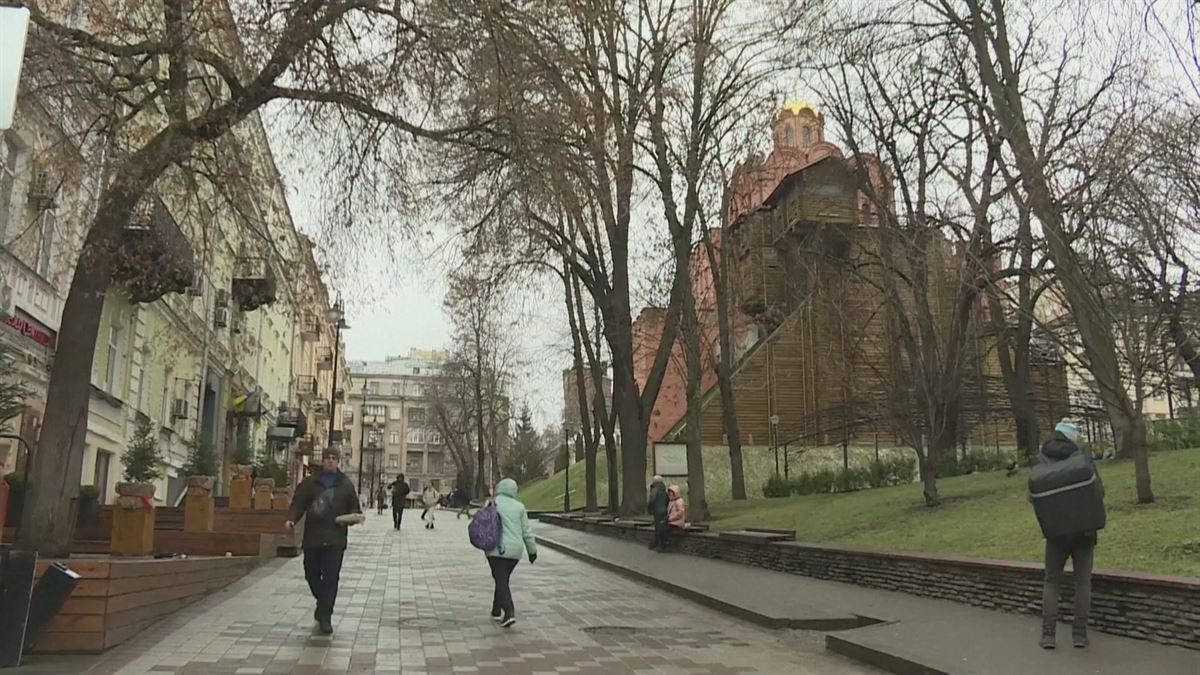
x=337, y=317
x=567, y=472
x=775, y=440
x=362, y=434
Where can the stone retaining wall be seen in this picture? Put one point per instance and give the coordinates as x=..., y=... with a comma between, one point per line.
x=1144, y=606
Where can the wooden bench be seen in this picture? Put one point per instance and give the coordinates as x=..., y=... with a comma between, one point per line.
x=750, y=537
x=116, y=598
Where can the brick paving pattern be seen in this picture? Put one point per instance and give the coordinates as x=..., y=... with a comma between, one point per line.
x=417, y=603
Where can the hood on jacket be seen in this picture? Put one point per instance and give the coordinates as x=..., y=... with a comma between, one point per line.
x=1059, y=447
x=673, y=492
x=507, y=487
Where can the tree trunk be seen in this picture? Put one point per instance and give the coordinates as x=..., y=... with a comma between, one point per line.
x=927, y=466
x=610, y=453
x=57, y=462
x=481, y=450
x=733, y=434
x=695, y=450
x=1130, y=438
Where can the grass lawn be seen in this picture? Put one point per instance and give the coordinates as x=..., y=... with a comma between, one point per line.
x=983, y=515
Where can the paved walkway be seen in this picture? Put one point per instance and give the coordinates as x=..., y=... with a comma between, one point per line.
x=416, y=602
x=917, y=634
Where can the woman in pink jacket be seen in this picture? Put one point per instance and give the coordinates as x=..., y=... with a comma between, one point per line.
x=676, y=509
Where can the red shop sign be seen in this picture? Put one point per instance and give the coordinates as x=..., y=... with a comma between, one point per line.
x=31, y=328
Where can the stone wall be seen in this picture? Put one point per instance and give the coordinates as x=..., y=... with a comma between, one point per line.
x=1144, y=606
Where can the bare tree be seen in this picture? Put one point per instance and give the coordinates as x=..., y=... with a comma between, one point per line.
x=163, y=88
x=986, y=24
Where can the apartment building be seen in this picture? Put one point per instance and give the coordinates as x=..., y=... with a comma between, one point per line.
x=388, y=423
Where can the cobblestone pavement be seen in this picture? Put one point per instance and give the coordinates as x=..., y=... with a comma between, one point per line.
x=417, y=602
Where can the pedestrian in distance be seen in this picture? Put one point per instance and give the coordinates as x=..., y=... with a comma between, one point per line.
x=399, y=489
x=381, y=500
x=329, y=504
x=1068, y=499
x=659, y=504
x=516, y=542
x=431, y=497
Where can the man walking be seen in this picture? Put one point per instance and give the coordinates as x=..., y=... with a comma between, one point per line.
x=400, y=490
x=321, y=499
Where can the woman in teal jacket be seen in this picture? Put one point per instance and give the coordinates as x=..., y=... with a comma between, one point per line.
x=516, y=540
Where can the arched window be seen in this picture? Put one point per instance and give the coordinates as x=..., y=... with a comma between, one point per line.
x=789, y=136
x=808, y=135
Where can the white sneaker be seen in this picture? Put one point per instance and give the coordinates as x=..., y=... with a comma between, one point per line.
x=507, y=623
x=497, y=617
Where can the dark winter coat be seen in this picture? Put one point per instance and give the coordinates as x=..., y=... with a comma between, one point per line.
x=400, y=490
x=1057, y=448
x=659, y=501
x=320, y=506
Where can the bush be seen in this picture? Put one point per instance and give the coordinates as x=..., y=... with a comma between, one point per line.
x=776, y=486
x=242, y=455
x=270, y=467
x=884, y=472
x=202, y=459
x=143, y=459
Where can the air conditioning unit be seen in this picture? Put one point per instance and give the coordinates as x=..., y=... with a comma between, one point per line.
x=179, y=409
x=221, y=317
x=196, y=289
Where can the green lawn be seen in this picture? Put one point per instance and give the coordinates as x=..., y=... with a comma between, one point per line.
x=984, y=515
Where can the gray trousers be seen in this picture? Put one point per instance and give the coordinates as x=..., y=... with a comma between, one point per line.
x=1081, y=551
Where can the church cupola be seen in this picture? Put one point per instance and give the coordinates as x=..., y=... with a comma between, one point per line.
x=798, y=126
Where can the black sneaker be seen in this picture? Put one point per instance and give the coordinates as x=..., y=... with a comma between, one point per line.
x=1047, y=641
x=327, y=627
x=1080, y=639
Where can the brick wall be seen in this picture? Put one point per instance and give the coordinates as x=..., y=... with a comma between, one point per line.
x=1144, y=606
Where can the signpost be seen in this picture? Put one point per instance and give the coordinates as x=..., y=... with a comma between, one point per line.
x=14, y=26
x=670, y=459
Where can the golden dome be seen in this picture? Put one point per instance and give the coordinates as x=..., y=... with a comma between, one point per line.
x=794, y=107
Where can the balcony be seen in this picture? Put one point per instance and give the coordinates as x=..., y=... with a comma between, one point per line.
x=373, y=443
x=325, y=359
x=253, y=283
x=321, y=409
x=306, y=387
x=310, y=330
x=154, y=257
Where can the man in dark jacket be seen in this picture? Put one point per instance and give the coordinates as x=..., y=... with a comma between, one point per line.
x=320, y=499
x=1080, y=548
x=400, y=492
x=658, y=508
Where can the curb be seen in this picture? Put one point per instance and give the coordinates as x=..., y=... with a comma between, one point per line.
x=871, y=656
x=767, y=621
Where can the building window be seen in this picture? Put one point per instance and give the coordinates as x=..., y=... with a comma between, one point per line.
x=415, y=435
x=373, y=387
x=393, y=461
x=808, y=135
x=789, y=136
x=394, y=438
x=112, y=373
x=416, y=371
x=397, y=389
x=395, y=413
x=435, y=463
x=375, y=410
x=413, y=463
x=416, y=417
